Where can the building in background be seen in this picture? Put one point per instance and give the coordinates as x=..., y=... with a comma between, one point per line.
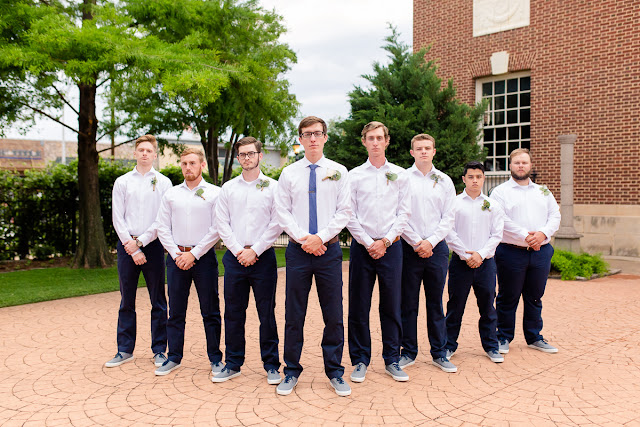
x=550, y=68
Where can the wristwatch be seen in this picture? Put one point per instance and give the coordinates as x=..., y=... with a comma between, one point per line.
x=386, y=242
x=139, y=243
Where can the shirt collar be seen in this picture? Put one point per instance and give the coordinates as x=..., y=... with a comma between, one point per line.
x=322, y=162
x=467, y=196
x=203, y=184
x=512, y=183
x=414, y=169
x=261, y=176
x=384, y=166
x=151, y=171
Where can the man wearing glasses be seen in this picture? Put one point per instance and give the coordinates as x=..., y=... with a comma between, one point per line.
x=247, y=223
x=313, y=206
x=381, y=206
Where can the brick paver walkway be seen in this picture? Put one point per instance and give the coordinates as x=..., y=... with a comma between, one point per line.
x=52, y=370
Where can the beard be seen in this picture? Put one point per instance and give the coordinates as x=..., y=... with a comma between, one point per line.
x=522, y=176
x=192, y=176
x=251, y=166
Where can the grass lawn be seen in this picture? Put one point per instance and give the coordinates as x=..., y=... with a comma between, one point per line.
x=24, y=287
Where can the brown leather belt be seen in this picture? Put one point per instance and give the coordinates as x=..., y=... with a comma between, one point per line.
x=185, y=248
x=248, y=247
x=397, y=238
x=134, y=237
x=330, y=242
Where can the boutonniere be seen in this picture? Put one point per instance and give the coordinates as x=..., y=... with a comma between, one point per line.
x=486, y=206
x=436, y=178
x=391, y=176
x=545, y=190
x=262, y=184
x=154, y=181
x=333, y=175
x=199, y=193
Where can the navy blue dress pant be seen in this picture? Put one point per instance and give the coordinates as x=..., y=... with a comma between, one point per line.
x=483, y=280
x=327, y=270
x=432, y=272
x=153, y=273
x=261, y=277
x=204, y=275
x=362, y=276
x=521, y=272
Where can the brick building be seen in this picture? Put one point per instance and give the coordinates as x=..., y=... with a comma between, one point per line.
x=551, y=68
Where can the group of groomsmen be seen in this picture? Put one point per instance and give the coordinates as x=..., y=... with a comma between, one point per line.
x=403, y=224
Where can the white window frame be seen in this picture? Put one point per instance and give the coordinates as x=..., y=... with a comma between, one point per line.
x=492, y=125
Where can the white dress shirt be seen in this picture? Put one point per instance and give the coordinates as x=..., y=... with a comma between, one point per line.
x=431, y=206
x=476, y=229
x=526, y=208
x=135, y=204
x=333, y=199
x=246, y=214
x=186, y=219
x=381, y=207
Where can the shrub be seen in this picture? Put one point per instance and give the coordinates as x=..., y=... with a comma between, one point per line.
x=570, y=265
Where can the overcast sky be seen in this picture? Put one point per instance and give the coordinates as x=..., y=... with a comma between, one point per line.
x=336, y=41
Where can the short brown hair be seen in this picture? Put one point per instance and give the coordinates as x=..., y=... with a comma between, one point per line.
x=147, y=138
x=248, y=140
x=519, y=151
x=423, y=137
x=191, y=150
x=310, y=121
x=373, y=126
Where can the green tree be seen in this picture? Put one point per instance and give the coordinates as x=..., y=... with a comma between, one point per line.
x=256, y=101
x=47, y=45
x=409, y=98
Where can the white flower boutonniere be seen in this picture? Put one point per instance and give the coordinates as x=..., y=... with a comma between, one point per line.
x=545, y=190
x=262, y=184
x=486, y=206
x=154, y=181
x=391, y=176
x=333, y=175
x=199, y=193
x=436, y=178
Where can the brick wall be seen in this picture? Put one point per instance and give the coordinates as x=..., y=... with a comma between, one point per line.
x=584, y=58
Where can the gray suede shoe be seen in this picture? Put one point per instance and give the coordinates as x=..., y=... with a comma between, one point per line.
x=544, y=346
x=341, y=388
x=287, y=386
x=166, y=368
x=359, y=372
x=444, y=364
x=396, y=372
x=406, y=361
x=225, y=375
x=273, y=377
x=119, y=359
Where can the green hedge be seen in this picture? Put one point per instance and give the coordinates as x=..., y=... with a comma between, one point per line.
x=39, y=211
x=571, y=265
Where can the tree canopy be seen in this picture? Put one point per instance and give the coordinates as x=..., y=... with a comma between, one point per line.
x=256, y=99
x=409, y=98
x=47, y=45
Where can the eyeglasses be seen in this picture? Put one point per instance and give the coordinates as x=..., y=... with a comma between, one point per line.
x=307, y=135
x=249, y=155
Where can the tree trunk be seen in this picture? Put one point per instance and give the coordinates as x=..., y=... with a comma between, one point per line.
x=92, y=246
x=211, y=153
x=228, y=158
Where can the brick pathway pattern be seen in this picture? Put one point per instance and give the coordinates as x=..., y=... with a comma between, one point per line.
x=52, y=370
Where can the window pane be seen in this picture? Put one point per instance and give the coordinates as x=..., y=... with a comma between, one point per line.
x=512, y=101
x=488, y=165
x=501, y=148
x=525, y=144
x=525, y=115
x=512, y=85
x=499, y=87
x=501, y=134
x=489, y=149
x=525, y=132
x=512, y=116
x=498, y=118
x=486, y=89
x=514, y=133
x=498, y=103
x=488, y=135
x=513, y=145
x=501, y=164
x=525, y=99
x=525, y=83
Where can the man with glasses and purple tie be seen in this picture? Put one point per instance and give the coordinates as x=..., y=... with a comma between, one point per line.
x=313, y=203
